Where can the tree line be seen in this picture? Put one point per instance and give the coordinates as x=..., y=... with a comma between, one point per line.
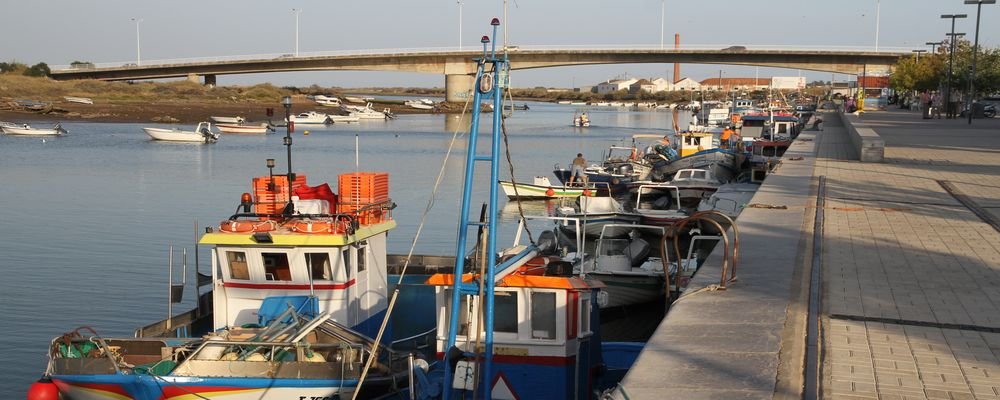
x=930, y=71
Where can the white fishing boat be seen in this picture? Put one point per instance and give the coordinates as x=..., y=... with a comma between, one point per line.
x=327, y=101
x=201, y=134
x=541, y=188
x=27, y=130
x=343, y=118
x=260, y=128
x=80, y=100
x=228, y=120
x=626, y=265
x=596, y=211
x=311, y=118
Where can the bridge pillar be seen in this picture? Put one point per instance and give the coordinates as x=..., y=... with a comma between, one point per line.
x=194, y=78
x=458, y=88
x=210, y=80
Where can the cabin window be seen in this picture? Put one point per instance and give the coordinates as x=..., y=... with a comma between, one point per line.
x=346, y=256
x=782, y=128
x=362, y=256
x=319, y=266
x=699, y=175
x=584, y=314
x=238, y=265
x=543, y=315
x=505, y=312
x=463, y=314
x=276, y=267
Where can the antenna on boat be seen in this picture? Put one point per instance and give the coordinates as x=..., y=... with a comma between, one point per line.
x=357, y=156
x=287, y=103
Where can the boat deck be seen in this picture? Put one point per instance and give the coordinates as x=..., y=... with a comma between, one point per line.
x=909, y=282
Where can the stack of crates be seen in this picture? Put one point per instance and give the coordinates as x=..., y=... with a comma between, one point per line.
x=361, y=189
x=273, y=202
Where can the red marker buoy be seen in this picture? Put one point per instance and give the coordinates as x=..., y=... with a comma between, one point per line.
x=43, y=389
x=551, y=192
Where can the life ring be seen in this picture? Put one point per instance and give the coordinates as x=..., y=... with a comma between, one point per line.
x=248, y=225
x=319, y=226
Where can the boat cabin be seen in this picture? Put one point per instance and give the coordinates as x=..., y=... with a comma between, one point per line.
x=332, y=250
x=766, y=126
x=689, y=143
x=545, y=334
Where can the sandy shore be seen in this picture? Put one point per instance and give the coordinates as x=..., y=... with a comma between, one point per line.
x=181, y=111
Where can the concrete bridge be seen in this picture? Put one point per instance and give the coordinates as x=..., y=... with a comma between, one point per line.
x=458, y=65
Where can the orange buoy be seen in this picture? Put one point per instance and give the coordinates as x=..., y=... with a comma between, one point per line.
x=551, y=192
x=43, y=389
x=587, y=192
x=319, y=226
x=247, y=226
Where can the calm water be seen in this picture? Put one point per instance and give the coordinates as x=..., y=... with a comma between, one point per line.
x=88, y=218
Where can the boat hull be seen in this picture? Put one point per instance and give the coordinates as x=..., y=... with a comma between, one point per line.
x=172, y=135
x=242, y=129
x=31, y=131
x=529, y=191
x=723, y=163
x=624, y=290
x=146, y=387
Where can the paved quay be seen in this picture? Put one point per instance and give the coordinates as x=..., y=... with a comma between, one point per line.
x=910, y=276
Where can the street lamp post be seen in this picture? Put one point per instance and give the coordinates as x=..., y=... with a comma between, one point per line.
x=287, y=103
x=459, y=25
x=138, y=52
x=975, y=51
x=933, y=45
x=663, y=8
x=297, y=11
x=951, y=60
x=878, y=8
x=917, y=52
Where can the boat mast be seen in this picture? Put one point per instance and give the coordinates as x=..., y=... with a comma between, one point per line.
x=488, y=83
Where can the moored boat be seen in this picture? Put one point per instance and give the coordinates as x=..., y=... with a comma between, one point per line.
x=201, y=134
x=696, y=150
x=28, y=130
x=245, y=129
x=630, y=272
x=310, y=118
x=541, y=188
x=228, y=120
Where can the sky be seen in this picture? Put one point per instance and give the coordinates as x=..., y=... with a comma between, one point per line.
x=60, y=31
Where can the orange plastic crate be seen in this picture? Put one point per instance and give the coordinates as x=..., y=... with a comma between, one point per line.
x=261, y=194
x=358, y=187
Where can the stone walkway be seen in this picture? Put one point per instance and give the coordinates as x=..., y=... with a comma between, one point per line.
x=911, y=275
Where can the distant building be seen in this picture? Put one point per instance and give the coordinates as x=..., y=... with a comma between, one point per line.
x=685, y=84
x=612, y=86
x=642, y=85
x=737, y=84
x=788, y=82
x=662, y=85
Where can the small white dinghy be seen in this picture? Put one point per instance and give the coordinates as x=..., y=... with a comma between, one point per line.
x=202, y=134
x=27, y=130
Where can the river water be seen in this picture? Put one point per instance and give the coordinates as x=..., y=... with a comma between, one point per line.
x=88, y=218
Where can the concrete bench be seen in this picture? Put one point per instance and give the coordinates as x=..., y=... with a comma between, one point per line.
x=869, y=145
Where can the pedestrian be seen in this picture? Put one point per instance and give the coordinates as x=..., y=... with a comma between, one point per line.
x=925, y=105
x=727, y=134
x=936, y=104
x=577, y=169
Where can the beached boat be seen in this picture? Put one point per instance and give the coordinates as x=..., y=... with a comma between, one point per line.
x=28, y=130
x=260, y=128
x=296, y=299
x=310, y=118
x=228, y=120
x=201, y=134
x=327, y=101
x=419, y=105
x=80, y=100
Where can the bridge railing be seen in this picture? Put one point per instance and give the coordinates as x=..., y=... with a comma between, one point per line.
x=468, y=49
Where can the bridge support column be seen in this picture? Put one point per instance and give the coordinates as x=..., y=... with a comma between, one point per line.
x=194, y=78
x=210, y=80
x=458, y=88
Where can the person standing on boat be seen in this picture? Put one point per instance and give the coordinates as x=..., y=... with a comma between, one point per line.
x=725, y=139
x=577, y=168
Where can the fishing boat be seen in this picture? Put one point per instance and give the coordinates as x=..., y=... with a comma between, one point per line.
x=228, y=120
x=595, y=212
x=310, y=118
x=367, y=112
x=631, y=273
x=27, y=130
x=343, y=118
x=508, y=329
x=542, y=188
x=658, y=204
x=298, y=292
x=696, y=150
x=694, y=185
x=201, y=134
x=581, y=120
x=245, y=129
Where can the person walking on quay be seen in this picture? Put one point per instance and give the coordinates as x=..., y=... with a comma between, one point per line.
x=925, y=105
x=936, y=104
x=577, y=169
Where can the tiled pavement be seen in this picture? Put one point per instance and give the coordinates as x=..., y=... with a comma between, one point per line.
x=911, y=276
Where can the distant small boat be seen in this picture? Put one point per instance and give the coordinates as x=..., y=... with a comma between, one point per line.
x=249, y=129
x=311, y=117
x=419, y=105
x=343, y=118
x=327, y=101
x=202, y=134
x=81, y=100
x=27, y=130
x=541, y=188
x=228, y=120
x=353, y=99
x=521, y=107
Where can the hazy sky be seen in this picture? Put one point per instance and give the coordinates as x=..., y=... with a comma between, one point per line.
x=60, y=31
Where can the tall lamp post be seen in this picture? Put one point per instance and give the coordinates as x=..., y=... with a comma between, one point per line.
x=975, y=51
x=138, y=52
x=951, y=60
x=297, y=11
x=663, y=16
x=459, y=25
x=287, y=103
x=917, y=52
x=934, y=46
x=878, y=8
